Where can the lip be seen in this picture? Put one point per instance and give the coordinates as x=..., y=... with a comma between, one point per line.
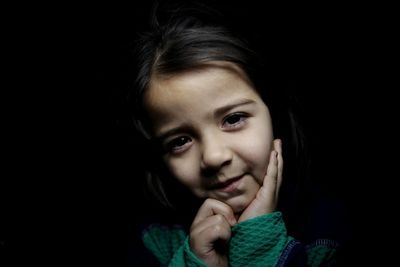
x=230, y=185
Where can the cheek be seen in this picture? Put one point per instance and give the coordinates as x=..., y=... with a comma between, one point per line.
x=184, y=170
x=258, y=158
x=256, y=151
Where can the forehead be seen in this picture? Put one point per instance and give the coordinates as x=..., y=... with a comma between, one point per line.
x=193, y=97
x=219, y=79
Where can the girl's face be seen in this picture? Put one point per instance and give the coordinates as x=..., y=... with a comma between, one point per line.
x=215, y=130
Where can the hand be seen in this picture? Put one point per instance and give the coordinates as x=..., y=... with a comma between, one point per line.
x=267, y=196
x=211, y=231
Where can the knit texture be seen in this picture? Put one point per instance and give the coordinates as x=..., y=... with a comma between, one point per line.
x=258, y=241
x=163, y=241
x=185, y=257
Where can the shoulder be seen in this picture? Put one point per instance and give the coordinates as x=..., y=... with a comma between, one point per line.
x=163, y=240
x=165, y=235
x=328, y=219
x=321, y=251
x=326, y=231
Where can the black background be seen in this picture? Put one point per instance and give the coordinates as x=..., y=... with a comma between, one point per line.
x=71, y=190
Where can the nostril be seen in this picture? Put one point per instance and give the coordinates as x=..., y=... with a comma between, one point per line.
x=209, y=172
x=211, y=169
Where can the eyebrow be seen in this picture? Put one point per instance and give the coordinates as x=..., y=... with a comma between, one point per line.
x=241, y=102
x=217, y=113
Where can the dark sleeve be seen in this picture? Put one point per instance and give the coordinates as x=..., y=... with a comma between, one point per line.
x=294, y=255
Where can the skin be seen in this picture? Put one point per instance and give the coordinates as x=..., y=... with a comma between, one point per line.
x=217, y=137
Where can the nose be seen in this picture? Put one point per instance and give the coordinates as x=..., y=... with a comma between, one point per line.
x=216, y=152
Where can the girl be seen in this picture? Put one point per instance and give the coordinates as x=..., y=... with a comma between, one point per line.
x=220, y=132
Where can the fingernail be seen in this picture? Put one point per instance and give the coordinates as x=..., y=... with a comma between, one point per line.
x=234, y=219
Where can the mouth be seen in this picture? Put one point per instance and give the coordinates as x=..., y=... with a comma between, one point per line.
x=229, y=185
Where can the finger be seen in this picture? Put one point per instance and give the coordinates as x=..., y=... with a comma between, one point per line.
x=267, y=191
x=270, y=178
x=203, y=239
x=278, y=148
x=212, y=228
x=221, y=229
x=212, y=207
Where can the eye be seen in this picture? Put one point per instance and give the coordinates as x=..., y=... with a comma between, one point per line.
x=178, y=144
x=234, y=120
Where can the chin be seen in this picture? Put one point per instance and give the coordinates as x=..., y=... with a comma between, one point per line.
x=238, y=204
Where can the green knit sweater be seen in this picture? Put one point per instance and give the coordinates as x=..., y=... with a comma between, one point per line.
x=260, y=241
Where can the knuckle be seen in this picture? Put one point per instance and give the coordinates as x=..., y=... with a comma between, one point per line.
x=219, y=218
x=209, y=202
x=218, y=229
